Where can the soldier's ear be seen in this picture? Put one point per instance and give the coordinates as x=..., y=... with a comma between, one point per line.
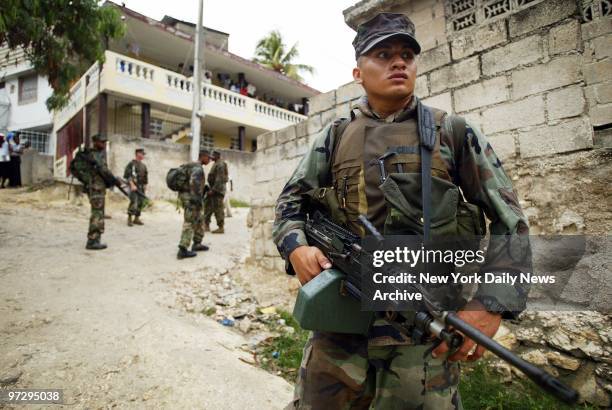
x=357, y=75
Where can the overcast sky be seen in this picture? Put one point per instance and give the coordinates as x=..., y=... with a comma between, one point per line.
x=324, y=40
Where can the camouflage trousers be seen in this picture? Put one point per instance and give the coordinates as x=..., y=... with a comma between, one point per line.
x=340, y=371
x=96, y=220
x=214, y=205
x=193, y=228
x=137, y=203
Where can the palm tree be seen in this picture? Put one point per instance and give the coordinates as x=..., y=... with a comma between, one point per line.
x=270, y=52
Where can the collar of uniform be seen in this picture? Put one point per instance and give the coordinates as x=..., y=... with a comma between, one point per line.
x=401, y=115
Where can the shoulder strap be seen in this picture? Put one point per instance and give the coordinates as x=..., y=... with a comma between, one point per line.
x=338, y=129
x=427, y=135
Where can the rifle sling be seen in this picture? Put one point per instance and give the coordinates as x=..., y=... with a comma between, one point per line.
x=427, y=134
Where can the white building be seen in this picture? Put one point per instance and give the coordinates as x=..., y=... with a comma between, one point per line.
x=23, y=95
x=144, y=89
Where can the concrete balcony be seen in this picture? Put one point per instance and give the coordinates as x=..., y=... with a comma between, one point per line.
x=136, y=80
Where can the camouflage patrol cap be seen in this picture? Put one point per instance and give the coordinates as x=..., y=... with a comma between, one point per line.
x=382, y=27
x=99, y=137
x=141, y=150
x=204, y=152
x=216, y=153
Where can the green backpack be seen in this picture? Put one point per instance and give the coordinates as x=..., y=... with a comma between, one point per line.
x=81, y=166
x=177, y=179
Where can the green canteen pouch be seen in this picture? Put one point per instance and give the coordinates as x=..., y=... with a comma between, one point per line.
x=321, y=306
x=405, y=210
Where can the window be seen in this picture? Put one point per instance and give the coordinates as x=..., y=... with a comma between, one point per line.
x=38, y=140
x=207, y=141
x=156, y=128
x=28, y=88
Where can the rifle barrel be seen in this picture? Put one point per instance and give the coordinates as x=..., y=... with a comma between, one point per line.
x=537, y=375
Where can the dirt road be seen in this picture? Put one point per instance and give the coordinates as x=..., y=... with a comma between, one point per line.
x=101, y=326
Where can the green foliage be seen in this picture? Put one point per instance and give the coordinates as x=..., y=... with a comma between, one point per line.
x=481, y=388
x=270, y=52
x=288, y=345
x=61, y=38
x=236, y=203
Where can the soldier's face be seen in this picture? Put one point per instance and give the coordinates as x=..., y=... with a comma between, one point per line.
x=99, y=145
x=388, y=70
x=140, y=156
x=205, y=159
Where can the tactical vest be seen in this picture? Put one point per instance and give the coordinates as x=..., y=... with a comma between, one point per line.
x=376, y=171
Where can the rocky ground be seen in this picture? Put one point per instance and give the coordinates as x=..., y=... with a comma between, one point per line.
x=132, y=326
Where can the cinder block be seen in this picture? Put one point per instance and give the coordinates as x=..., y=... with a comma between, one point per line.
x=512, y=115
x=564, y=137
x=313, y=124
x=556, y=73
x=481, y=94
x=455, y=75
x=603, y=92
x=479, y=39
x=567, y=102
x=349, y=92
x=601, y=114
x=540, y=15
x=441, y=101
x=421, y=88
x=596, y=28
x=286, y=134
x=514, y=54
x=598, y=72
x=301, y=129
x=602, y=47
x=322, y=102
x=503, y=145
x=434, y=58
x=431, y=34
x=564, y=38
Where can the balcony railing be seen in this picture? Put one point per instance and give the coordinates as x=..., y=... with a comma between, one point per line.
x=135, y=79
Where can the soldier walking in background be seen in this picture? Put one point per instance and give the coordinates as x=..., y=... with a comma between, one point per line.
x=191, y=198
x=136, y=176
x=96, y=191
x=217, y=178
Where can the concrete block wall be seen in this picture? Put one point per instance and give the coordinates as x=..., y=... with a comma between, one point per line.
x=161, y=156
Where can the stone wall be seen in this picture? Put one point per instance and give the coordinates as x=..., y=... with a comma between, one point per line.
x=537, y=80
x=36, y=167
x=162, y=155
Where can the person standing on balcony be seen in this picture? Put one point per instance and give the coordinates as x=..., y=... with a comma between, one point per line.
x=191, y=201
x=217, y=178
x=136, y=176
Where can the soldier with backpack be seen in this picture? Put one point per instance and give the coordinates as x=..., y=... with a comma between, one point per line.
x=188, y=180
x=89, y=166
x=389, y=140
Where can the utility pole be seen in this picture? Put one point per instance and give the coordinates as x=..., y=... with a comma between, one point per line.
x=198, y=61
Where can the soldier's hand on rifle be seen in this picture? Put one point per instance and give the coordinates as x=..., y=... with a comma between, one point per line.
x=475, y=314
x=308, y=262
x=132, y=186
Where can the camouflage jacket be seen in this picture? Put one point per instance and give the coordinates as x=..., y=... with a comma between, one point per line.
x=97, y=181
x=217, y=177
x=473, y=165
x=136, y=171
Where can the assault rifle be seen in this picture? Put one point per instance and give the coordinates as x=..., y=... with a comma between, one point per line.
x=111, y=180
x=343, y=249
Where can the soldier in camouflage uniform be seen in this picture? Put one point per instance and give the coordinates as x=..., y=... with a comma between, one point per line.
x=191, y=201
x=136, y=176
x=217, y=178
x=96, y=191
x=386, y=370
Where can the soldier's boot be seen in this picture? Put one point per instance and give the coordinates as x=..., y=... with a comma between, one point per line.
x=130, y=223
x=199, y=247
x=219, y=230
x=185, y=253
x=95, y=245
x=206, y=227
x=137, y=221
